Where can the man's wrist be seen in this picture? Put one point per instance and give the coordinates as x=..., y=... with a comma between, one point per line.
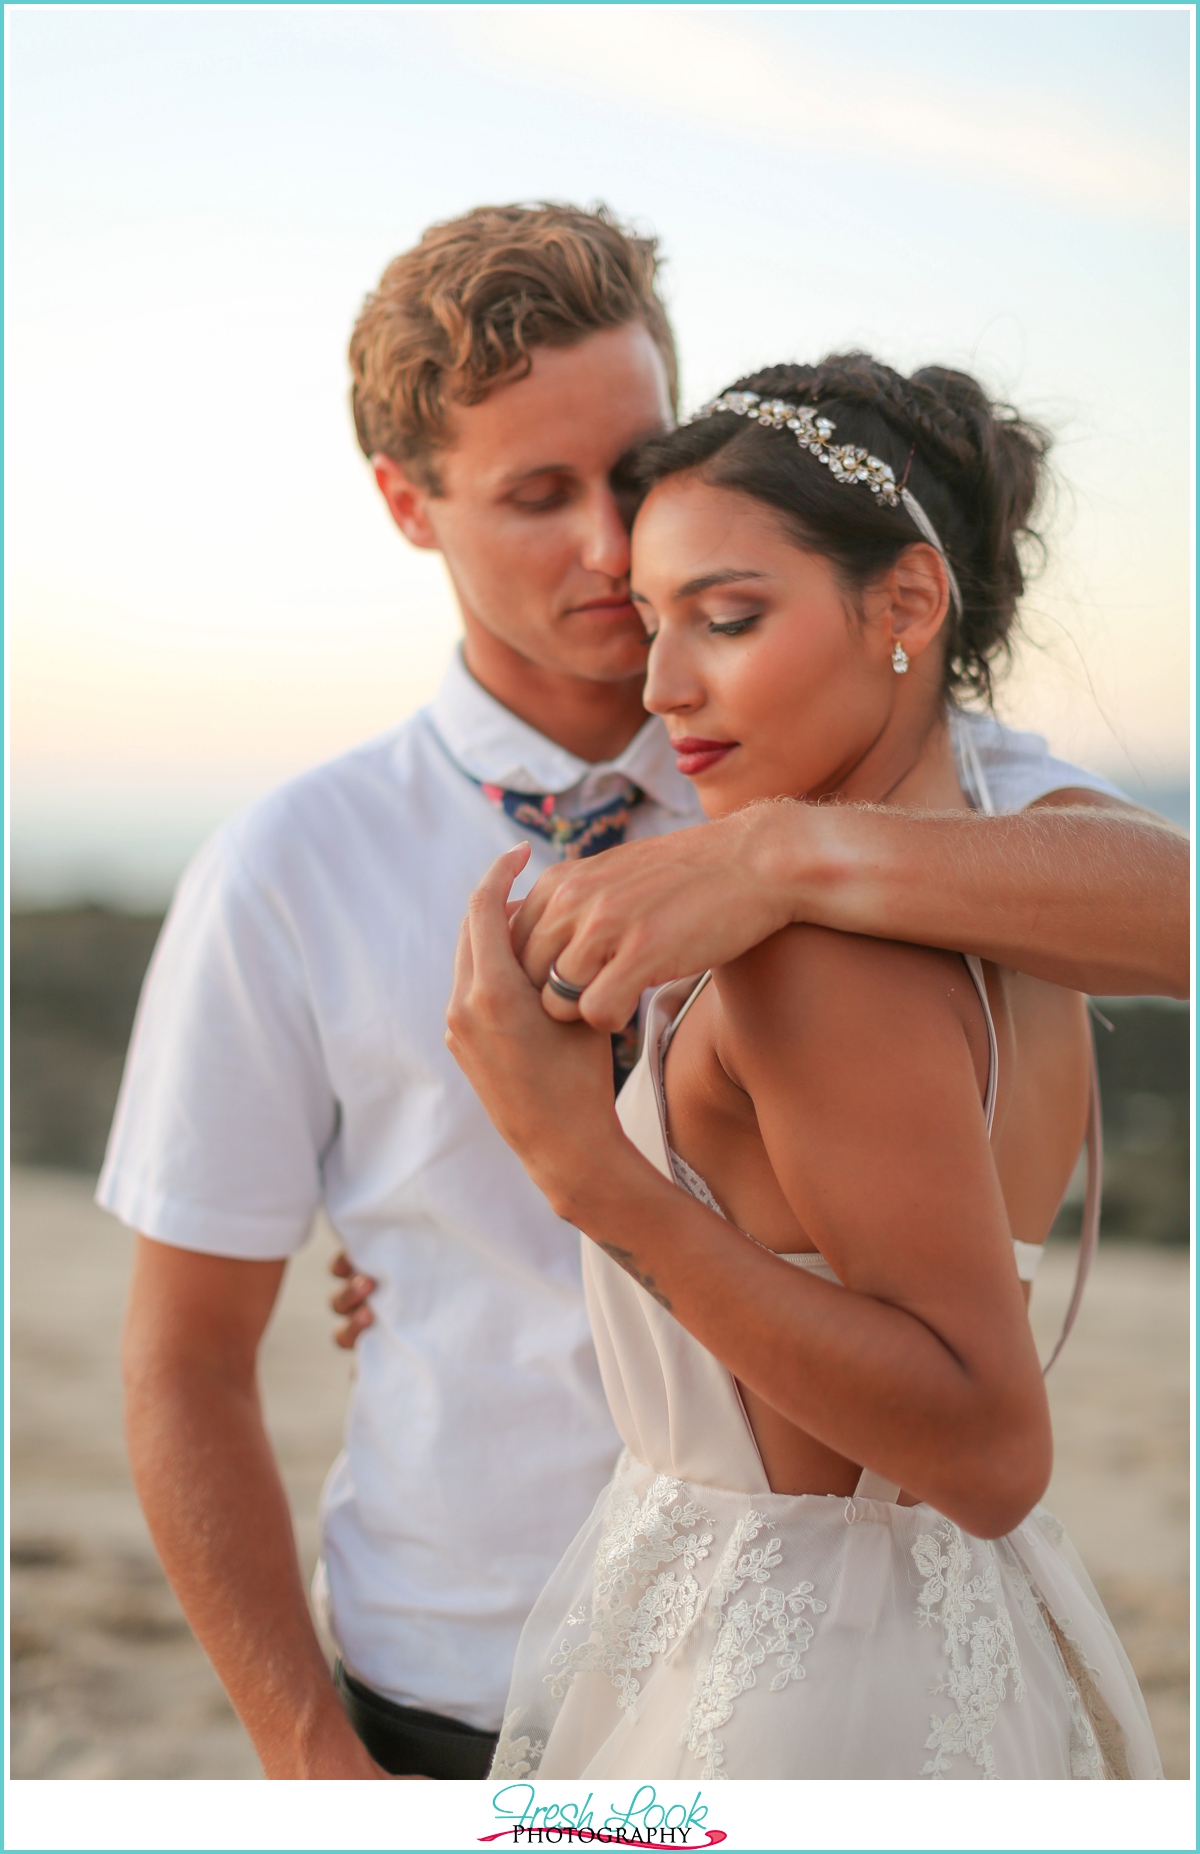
x=322, y=1747
x=800, y=854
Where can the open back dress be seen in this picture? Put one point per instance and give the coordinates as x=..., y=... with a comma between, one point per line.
x=701, y=1626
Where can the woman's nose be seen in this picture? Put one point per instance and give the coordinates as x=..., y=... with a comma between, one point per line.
x=669, y=688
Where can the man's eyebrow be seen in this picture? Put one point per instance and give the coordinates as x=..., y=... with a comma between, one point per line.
x=725, y=578
x=546, y=469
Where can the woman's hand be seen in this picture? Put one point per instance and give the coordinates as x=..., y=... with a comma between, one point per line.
x=547, y=1086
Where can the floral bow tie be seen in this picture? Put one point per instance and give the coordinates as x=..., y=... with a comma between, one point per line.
x=601, y=829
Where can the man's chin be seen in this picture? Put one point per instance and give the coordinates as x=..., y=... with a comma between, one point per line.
x=610, y=659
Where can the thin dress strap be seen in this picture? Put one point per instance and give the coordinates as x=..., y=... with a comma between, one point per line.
x=664, y=1041
x=975, y=968
x=974, y=781
x=1089, y=1235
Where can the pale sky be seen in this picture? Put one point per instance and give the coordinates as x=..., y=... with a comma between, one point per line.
x=205, y=592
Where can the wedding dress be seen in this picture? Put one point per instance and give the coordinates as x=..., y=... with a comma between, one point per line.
x=701, y=1626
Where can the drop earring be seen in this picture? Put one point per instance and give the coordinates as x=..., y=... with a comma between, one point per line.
x=900, y=659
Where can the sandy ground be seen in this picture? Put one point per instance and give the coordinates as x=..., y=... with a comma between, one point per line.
x=108, y=1682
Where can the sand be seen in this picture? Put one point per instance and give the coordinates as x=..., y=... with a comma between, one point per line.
x=106, y=1678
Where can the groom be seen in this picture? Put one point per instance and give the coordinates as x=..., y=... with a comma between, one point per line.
x=289, y=1047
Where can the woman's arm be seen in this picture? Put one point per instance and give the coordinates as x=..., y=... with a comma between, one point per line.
x=922, y=1367
x=1079, y=890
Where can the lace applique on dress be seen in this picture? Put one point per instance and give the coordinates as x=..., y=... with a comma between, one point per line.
x=1087, y=1761
x=766, y=1623
x=639, y=1609
x=516, y=1757
x=981, y=1648
x=646, y=1602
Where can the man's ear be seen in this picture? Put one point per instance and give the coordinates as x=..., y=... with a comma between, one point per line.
x=407, y=501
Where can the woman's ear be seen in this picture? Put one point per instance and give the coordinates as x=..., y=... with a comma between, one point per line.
x=917, y=598
x=408, y=502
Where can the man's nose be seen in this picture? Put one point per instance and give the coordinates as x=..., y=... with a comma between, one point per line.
x=605, y=545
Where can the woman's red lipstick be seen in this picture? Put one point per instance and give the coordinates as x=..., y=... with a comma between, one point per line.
x=694, y=755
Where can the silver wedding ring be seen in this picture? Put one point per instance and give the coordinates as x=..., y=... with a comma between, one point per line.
x=563, y=988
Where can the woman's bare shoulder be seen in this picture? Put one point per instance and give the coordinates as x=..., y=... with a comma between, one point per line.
x=811, y=963
x=813, y=992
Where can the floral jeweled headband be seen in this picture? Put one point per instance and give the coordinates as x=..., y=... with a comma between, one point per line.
x=849, y=463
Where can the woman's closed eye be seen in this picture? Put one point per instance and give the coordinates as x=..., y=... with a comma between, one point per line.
x=732, y=627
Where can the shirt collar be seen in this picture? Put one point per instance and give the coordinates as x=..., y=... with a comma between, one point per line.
x=492, y=744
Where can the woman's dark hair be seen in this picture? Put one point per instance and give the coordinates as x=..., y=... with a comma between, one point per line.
x=976, y=469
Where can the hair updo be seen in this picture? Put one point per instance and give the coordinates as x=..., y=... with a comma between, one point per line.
x=976, y=468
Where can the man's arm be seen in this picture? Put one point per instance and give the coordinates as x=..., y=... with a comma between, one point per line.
x=1080, y=890
x=211, y=1492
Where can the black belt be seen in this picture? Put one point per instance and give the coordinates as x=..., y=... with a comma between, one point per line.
x=410, y=1743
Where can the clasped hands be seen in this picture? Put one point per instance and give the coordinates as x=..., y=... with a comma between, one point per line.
x=659, y=909
x=632, y=917
x=640, y=915
x=546, y=1085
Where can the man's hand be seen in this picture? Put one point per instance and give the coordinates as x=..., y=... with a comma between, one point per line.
x=663, y=908
x=1079, y=890
x=352, y=1302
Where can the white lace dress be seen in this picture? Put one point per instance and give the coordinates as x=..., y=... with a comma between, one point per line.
x=701, y=1626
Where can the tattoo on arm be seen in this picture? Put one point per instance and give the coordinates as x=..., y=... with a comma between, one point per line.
x=625, y=1258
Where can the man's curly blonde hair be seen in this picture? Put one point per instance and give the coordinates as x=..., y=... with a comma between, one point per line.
x=464, y=308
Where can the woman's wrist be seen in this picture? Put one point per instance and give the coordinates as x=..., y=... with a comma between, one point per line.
x=592, y=1183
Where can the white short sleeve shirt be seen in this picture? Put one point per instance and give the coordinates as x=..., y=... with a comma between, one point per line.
x=289, y=1051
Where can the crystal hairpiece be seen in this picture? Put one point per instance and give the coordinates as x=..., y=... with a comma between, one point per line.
x=849, y=463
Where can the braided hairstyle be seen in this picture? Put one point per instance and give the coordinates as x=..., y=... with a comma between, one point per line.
x=976, y=468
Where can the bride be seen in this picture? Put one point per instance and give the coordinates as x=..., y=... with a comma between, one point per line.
x=813, y=1216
